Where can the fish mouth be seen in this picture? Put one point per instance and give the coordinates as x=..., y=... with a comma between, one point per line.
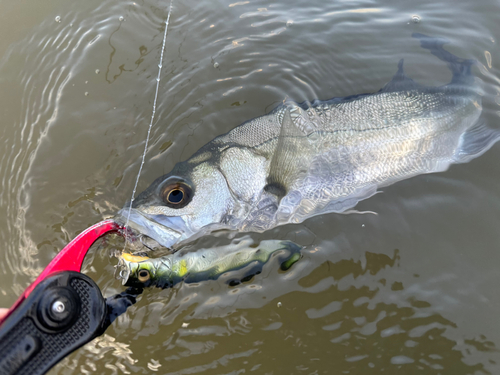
x=164, y=230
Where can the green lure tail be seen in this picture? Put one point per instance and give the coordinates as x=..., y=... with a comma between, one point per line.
x=203, y=264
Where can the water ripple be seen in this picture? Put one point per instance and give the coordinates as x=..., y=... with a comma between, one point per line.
x=77, y=98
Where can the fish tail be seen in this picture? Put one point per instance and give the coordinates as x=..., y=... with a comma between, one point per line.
x=461, y=68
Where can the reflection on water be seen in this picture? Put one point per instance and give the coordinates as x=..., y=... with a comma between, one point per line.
x=76, y=101
x=45, y=74
x=347, y=316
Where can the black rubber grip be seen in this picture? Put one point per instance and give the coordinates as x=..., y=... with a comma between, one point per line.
x=63, y=312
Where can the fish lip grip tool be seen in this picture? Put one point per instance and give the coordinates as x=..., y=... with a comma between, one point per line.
x=60, y=311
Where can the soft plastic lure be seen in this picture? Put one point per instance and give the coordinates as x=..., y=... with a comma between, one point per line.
x=204, y=264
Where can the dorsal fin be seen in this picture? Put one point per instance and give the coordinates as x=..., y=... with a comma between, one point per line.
x=400, y=81
x=461, y=68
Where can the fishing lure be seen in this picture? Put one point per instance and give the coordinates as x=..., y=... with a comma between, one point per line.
x=204, y=264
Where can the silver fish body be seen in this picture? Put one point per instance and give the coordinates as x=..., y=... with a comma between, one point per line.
x=306, y=159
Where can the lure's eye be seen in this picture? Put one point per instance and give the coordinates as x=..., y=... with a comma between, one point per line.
x=176, y=195
x=143, y=276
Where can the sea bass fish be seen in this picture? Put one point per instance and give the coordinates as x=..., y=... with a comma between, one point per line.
x=306, y=159
x=204, y=264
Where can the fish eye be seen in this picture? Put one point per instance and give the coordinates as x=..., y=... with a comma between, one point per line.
x=143, y=276
x=176, y=195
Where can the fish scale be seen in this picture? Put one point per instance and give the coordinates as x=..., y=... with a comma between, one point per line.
x=371, y=145
x=305, y=159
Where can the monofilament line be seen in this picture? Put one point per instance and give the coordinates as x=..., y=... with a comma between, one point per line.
x=152, y=115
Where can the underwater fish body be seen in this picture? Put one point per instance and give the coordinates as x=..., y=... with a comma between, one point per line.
x=301, y=160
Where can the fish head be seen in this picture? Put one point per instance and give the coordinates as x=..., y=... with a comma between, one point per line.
x=192, y=200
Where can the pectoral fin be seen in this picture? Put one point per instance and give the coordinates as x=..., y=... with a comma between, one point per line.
x=287, y=162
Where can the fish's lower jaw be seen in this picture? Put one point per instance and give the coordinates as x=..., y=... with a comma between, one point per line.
x=129, y=234
x=140, y=224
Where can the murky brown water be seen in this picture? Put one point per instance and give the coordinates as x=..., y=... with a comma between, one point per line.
x=411, y=290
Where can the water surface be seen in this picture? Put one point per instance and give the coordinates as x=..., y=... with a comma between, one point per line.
x=413, y=289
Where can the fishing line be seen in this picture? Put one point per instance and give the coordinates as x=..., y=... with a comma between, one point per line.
x=152, y=116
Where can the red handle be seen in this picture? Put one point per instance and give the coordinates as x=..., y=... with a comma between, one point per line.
x=70, y=258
